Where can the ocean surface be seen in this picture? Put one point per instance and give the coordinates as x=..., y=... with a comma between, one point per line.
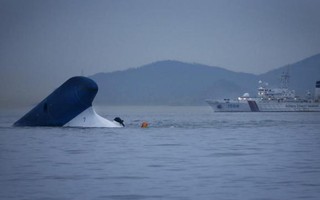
x=186, y=153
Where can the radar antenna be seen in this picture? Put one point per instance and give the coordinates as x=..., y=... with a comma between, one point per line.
x=284, y=79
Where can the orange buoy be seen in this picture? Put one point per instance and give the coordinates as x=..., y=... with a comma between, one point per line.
x=144, y=125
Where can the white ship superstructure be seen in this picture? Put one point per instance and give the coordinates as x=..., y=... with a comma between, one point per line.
x=270, y=100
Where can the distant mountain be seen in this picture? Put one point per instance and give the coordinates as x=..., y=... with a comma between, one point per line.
x=170, y=83
x=178, y=83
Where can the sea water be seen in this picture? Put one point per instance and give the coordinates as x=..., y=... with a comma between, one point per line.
x=186, y=153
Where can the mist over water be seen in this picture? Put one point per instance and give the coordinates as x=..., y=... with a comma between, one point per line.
x=186, y=153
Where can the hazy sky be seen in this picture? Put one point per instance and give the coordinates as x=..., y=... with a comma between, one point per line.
x=48, y=41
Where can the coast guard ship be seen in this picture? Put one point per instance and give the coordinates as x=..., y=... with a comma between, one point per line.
x=270, y=100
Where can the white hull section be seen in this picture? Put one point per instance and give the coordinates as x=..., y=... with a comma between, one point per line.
x=89, y=118
x=256, y=106
x=288, y=107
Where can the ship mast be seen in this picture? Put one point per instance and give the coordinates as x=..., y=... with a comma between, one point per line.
x=284, y=79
